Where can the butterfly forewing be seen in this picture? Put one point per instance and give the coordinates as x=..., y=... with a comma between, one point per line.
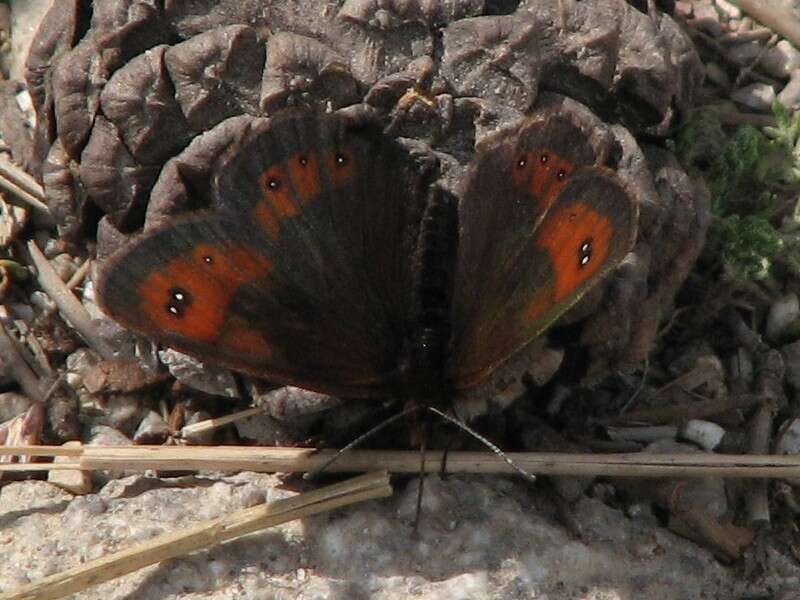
x=309, y=279
x=555, y=223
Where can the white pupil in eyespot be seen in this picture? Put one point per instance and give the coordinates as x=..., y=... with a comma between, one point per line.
x=585, y=253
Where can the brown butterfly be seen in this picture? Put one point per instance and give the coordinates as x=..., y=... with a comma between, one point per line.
x=331, y=261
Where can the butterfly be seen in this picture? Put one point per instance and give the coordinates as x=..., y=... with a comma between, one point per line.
x=333, y=261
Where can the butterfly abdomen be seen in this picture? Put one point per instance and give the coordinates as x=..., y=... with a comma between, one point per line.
x=432, y=293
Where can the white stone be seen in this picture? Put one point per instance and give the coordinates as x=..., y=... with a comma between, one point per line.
x=783, y=312
x=789, y=442
x=705, y=434
x=73, y=481
x=781, y=60
x=789, y=96
x=757, y=96
x=731, y=11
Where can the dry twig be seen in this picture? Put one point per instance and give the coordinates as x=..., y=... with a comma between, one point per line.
x=17, y=182
x=67, y=303
x=18, y=368
x=212, y=424
x=685, y=412
x=301, y=460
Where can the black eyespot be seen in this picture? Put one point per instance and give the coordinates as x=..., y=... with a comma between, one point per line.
x=544, y=158
x=561, y=174
x=208, y=260
x=273, y=183
x=522, y=162
x=302, y=159
x=340, y=159
x=179, y=301
x=585, y=253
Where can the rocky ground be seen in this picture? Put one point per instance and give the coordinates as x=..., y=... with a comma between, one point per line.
x=731, y=342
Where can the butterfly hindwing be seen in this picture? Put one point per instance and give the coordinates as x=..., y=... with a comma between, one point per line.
x=541, y=221
x=301, y=275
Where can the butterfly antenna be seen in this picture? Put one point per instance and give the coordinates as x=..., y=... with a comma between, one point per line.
x=382, y=425
x=422, y=446
x=526, y=474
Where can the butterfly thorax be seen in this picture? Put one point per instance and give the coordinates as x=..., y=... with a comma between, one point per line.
x=425, y=356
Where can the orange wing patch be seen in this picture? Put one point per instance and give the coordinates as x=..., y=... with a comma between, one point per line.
x=276, y=189
x=543, y=174
x=286, y=187
x=278, y=202
x=190, y=295
x=577, y=240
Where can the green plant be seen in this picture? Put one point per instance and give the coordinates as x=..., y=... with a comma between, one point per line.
x=748, y=174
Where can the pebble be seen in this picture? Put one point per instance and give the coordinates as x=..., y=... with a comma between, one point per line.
x=12, y=405
x=197, y=437
x=706, y=18
x=717, y=75
x=707, y=493
x=781, y=60
x=744, y=53
x=102, y=435
x=705, y=434
x=78, y=363
x=789, y=96
x=757, y=96
x=73, y=481
x=783, y=312
x=152, y=430
x=195, y=374
x=789, y=442
x=729, y=10
x=684, y=9
x=123, y=412
x=791, y=356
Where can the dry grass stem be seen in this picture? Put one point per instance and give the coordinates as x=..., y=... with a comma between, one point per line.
x=211, y=424
x=204, y=535
x=695, y=410
x=18, y=368
x=45, y=451
x=22, y=186
x=80, y=274
x=69, y=306
x=21, y=179
x=757, y=498
x=299, y=460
